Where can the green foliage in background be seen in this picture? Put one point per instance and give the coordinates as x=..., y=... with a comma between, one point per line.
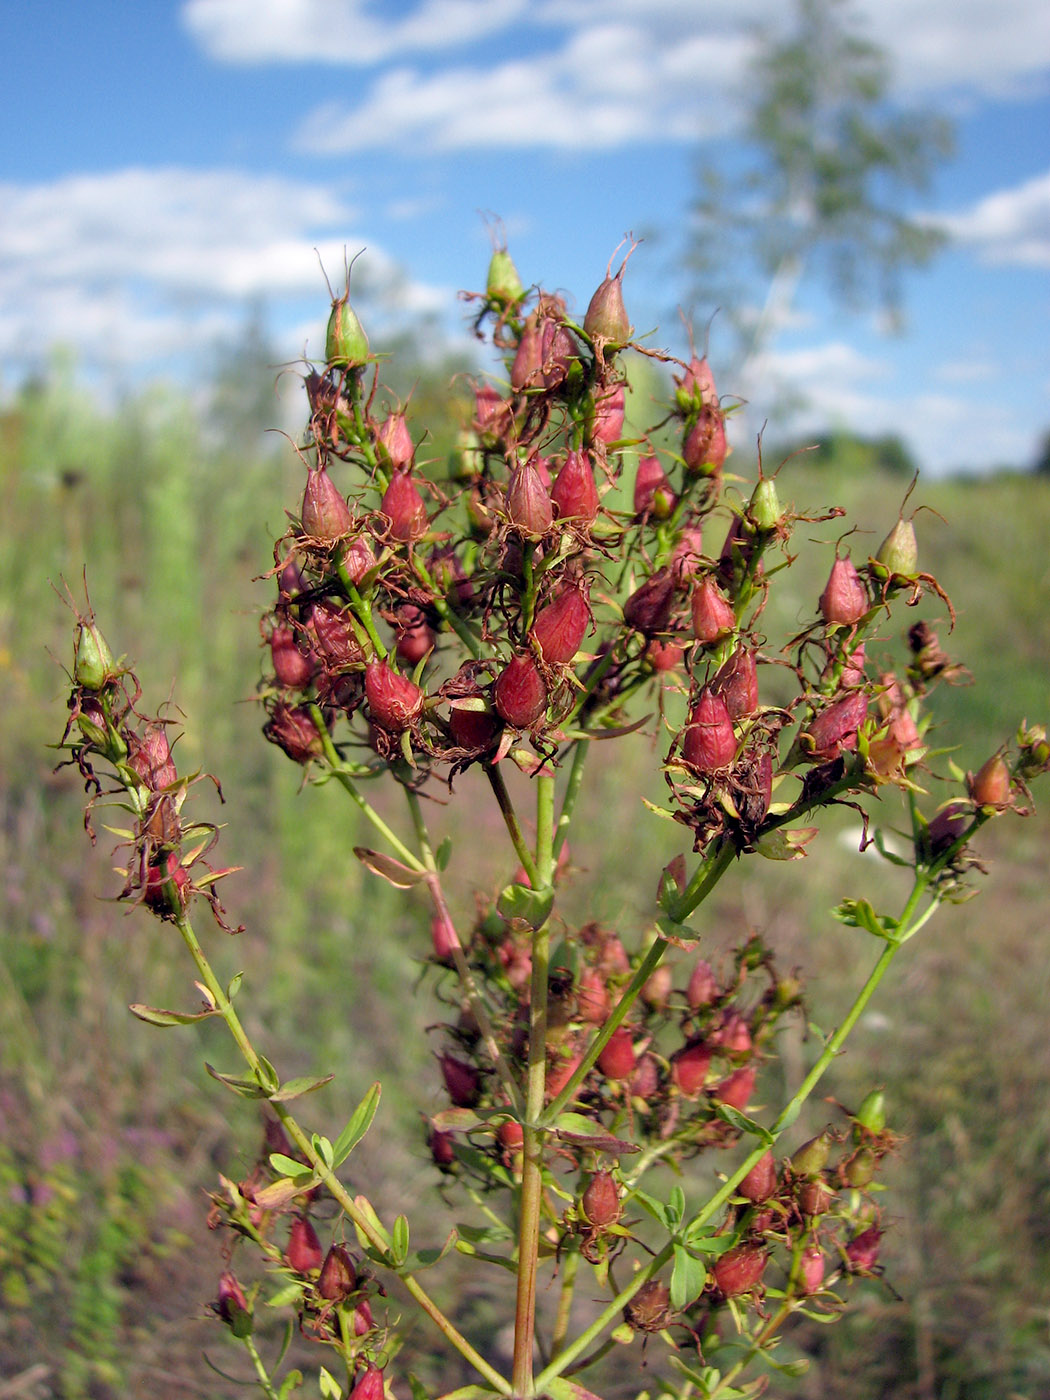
x=101, y=1236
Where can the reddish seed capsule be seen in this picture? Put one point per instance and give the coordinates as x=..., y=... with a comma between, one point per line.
x=737, y=683
x=510, y=1133
x=606, y=317
x=444, y=938
x=292, y=668
x=697, y=385
x=474, y=729
x=231, y=1304
x=461, y=1081
x=370, y=1386
x=363, y=1322
x=559, y=1073
x=405, y=508
x=292, y=729
x=394, y=702
x=990, y=785
x=395, y=442
x=325, y=513
x=150, y=757
x=835, y=729
x=705, y=448
x=739, y=1270
x=708, y=742
x=573, y=490
x=592, y=997
x=761, y=1180
x=650, y=606
x=814, y=1197
x=645, y=1081
x=519, y=694
x=528, y=503
x=733, y=1035
x=702, y=989
x=653, y=495
x=811, y=1269
x=862, y=1252
x=607, y=422
x=689, y=1067
x=713, y=616
x=304, y=1252
x=617, y=1060
x=736, y=1090
x=162, y=876
x=334, y=630
x=441, y=1150
x=601, y=1199
x=663, y=656
x=845, y=599
x=526, y=371
x=560, y=627
x=358, y=559
x=657, y=989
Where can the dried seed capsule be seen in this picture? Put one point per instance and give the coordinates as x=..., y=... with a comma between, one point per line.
x=835, y=728
x=573, y=491
x=601, y=1199
x=713, y=616
x=461, y=1081
x=739, y=1270
x=394, y=701
x=761, y=1180
x=292, y=667
x=607, y=418
x=705, y=448
x=648, y=609
x=394, y=441
x=405, y=508
x=606, y=317
x=737, y=683
x=689, y=1067
x=617, y=1060
x=325, y=514
x=560, y=627
x=708, y=740
x=735, y=1091
x=304, y=1252
x=845, y=599
x=653, y=495
x=528, y=504
x=519, y=694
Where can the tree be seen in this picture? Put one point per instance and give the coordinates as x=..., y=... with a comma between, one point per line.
x=831, y=159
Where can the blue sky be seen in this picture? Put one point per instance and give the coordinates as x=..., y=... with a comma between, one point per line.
x=167, y=166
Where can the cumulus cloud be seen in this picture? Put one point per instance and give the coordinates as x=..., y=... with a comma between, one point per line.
x=1007, y=227
x=610, y=86
x=350, y=32
x=140, y=264
x=942, y=45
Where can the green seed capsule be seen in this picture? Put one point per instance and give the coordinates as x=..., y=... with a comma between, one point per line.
x=345, y=340
x=503, y=285
x=871, y=1116
x=765, y=509
x=93, y=663
x=899, y=551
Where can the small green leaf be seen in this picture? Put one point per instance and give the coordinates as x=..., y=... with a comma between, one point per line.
x=522, y=902
x=290, y=1293
x=295, y=1088
x=323, y=1148
x=154, y=1016
x=287, y=1166
x=677, y=934
x=247, y=1088
x=687, y=1278
x=235, y=985
x=277, y=1195
x=399, y=1241
x=742, y=1122
x=267, y=1076
x=785, y=844
x=676, y=1205
x=329, y=1386
x=359, y=1124
x=292, y=1381
x=443, y=853
x=426, y=1258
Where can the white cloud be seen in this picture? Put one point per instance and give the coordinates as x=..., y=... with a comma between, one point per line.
x=608, y=87
x=1008, y=226
x=347, y=32
x=942, y=45
x=136, y=265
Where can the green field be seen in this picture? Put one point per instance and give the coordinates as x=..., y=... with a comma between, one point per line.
x=111, y=1134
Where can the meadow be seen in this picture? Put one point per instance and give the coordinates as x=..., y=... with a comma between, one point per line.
x=111, y=1136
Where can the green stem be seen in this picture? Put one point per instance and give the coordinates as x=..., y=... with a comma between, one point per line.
x=534, y=1134
x=466, y=976
x=265, y=1384
x=448, y=615
x=564, y=1313
x=510, y=820
x=342, y=777
x=573, y=784
x=362, y=609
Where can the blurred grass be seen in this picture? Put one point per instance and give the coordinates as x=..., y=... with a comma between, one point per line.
x=111, y=1135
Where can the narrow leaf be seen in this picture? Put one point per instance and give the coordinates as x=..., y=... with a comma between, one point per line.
x=401, y=876
x=247, y=1088
x=359, y=1124
x=399, y=1241
x=295, y=1088
x=742, y=1122
x=154, y=1016
x=522, y=902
